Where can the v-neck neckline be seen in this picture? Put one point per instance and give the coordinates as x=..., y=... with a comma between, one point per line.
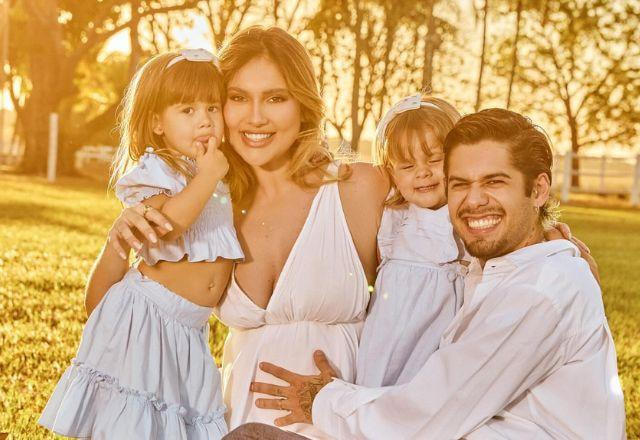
x=287, y=262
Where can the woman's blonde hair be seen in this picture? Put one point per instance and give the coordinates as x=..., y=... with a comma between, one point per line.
x=153, y=88
x=310, y=153
x=396, y=144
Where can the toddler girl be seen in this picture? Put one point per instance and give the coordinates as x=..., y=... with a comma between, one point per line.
x=144, y=369
x=419, y=284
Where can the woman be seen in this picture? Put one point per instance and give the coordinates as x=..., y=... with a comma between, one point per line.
x=307, y=226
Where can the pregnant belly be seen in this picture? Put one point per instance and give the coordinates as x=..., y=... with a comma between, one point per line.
x=290, y=346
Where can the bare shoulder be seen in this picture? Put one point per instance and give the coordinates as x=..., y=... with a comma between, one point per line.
x=365, y=180
x=363, y=193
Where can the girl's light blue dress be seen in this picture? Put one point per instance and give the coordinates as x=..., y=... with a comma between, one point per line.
x=418, y=290
x=144, y=369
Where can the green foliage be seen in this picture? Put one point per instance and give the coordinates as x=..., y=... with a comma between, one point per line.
x=99, y=88
x=51, y=234
x=580, y=61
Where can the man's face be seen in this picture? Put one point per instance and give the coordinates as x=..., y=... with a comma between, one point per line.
x=487, y=201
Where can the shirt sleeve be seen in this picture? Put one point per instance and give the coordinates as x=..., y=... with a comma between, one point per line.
x=150, y=177
x=497, y=352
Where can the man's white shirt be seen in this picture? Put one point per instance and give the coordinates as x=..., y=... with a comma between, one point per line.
x=528, y=356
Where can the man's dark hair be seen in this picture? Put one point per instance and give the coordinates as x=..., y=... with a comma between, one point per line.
x=528, y=144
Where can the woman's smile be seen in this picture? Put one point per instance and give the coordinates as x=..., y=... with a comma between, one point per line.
x=257, y=139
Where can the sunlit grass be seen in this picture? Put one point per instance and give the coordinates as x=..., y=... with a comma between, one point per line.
x=50, y=235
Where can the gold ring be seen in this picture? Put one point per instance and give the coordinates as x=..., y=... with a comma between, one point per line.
x=146, y=208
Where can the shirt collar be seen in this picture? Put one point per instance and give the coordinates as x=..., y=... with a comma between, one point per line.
x=525, y=255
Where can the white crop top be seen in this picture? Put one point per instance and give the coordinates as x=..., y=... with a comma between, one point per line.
x=212, y=235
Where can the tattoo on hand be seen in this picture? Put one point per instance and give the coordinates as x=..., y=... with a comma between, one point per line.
x=308, y=393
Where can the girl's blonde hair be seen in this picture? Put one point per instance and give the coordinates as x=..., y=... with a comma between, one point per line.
x=153, y=88
x=396, y=144
x=310, y=153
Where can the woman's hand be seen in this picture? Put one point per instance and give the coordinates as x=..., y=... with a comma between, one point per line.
x=140, y=222
x=561, y=231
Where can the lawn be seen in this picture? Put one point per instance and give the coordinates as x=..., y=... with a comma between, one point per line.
x=50, y=235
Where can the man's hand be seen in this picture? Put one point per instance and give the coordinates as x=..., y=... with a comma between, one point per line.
x=297, y=397
x=562, y=231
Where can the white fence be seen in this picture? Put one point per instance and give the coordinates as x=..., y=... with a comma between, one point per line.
x=88, y=155
x=603, y=175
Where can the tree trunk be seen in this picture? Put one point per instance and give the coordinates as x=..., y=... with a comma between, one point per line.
x=431, y=44
x=134, y=39
x=356, y=126
x=46, y=86
x=36, y=124
x=514, y=59
x=482, y=55
x=67, y=148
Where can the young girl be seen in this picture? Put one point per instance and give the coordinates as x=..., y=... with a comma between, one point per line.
x=419, y=284
x=144, y=369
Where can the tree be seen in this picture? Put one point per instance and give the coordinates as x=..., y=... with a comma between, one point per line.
x=225, y=17
x=582, y=60
x=367, y=51
x=289, y=15
x=68, y=34
x=514, y=57
x=540, y=6
x=485, y=17
x=432, y=42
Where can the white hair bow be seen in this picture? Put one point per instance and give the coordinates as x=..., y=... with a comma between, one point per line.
x=197, y=55
x=412, y=102
x=407, y=103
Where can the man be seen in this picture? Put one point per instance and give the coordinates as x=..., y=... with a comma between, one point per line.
x=529, y=355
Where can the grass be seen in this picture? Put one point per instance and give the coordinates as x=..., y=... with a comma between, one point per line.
x=50, y=235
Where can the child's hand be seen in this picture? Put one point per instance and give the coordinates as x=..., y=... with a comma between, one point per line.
x=210, y=160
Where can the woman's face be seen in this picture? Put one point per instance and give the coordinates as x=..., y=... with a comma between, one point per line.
x=262, y=117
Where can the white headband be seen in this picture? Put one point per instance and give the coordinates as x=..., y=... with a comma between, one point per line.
x=197, y=55
x=412, y=102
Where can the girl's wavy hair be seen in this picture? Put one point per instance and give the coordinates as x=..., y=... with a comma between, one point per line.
x=529, y=147
x=153, y=89
x=310, y=152
x=396, y=144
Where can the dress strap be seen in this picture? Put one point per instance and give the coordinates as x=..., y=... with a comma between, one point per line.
x=334, y=167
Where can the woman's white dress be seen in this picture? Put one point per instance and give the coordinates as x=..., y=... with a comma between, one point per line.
x=418, y=291
x=318, y=302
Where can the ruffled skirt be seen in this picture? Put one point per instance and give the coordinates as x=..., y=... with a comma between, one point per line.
x=143, y=370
